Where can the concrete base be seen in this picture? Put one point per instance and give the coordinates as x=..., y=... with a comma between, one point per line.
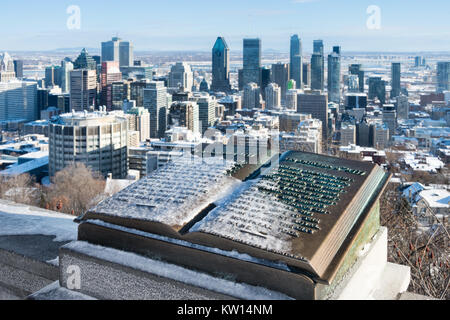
x=372, y=277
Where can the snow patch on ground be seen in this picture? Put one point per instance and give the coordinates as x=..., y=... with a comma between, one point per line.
x=18, y=219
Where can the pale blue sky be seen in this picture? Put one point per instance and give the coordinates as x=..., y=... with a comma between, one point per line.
x=406, y=25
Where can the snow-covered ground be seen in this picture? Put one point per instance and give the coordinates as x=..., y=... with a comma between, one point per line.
x=18, y=219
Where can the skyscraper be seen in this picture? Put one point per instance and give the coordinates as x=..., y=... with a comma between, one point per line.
x=18, y=68
x=110, y=73
x=18, y=100
x=6, y=68
x=185, y=114
x=207, y=112
x=252, y=96
x=377, y=89
x=118, y=50
x=296, y=61
x=443, y=76
x=396, y=79
x=334, y=75
x=317, y=72
x=280, y=76
x=66, y=67
x=85, y=61
x=315, y=103
x=252, y=62
x=181, y=76
x=318, y=47
x=155, y=101
x=83, y=89
x=221, y=66
x=356, y=69
x=306, y=74
x=273, y=96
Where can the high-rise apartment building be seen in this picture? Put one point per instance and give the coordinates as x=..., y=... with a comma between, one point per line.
x=252, y=62
x=83, y=89
x=221, y=66
x=119, y=51
x=296, y=61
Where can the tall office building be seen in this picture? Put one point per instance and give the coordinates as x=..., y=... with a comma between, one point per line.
x=181, y=76
x=377, y=89
x=155, y=101
x=66, y=68
x=402, y=106
x=18, y=68
x=83, y=89
x=185, y=114
x=315, y=103
x=390, y=118
x=99, y=140
x=396, y=80
x=6, y=68
x=318, y=66
x=139, y=120
x=119, y=51
x=18, y=100
x=110, y=73
x=306, y=74
x=252, y=62
x=356, y=69
x=334, y=75
x=207, y=112
x=252, y=96
x=273, y=96
x=296, y=61
x=85, y=61
x=443, y=76
x=280, y=76
x=221, y=66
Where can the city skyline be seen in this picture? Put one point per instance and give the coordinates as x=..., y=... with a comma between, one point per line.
x=158, y=27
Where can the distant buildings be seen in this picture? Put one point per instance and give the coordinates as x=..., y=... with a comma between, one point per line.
x=185, y=114
x=18, y=68
x=139, y=121
x=119, y=51
x=306, y=74
x=377, y=89
x=221, y=66
x=98, y=139
x=402, y=106
x=207, y=112
x=251, y=72
x=110, y=73
x=296, y=61
x=356, y=69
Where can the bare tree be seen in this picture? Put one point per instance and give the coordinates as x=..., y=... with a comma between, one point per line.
x=425, y=251
x=74, y=190
x=19, y=189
